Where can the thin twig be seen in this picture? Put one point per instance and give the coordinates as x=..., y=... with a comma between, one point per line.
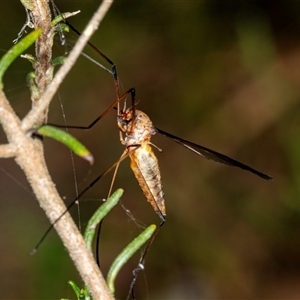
x=7, y=151
x=44, y=101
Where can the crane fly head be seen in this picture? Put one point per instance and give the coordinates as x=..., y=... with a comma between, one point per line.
x=136, y=125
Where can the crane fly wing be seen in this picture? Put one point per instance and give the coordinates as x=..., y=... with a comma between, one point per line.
x=212, y=155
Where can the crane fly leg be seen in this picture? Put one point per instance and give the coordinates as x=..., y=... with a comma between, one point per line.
x=142, y=261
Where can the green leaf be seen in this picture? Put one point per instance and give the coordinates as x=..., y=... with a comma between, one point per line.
x=81, y=294
x=58, y=61
x=32, y=85
x=126, y=254
x=15, y=51
x=101, y=212
x=66, y=139
x=62, y=17
x=75, y=288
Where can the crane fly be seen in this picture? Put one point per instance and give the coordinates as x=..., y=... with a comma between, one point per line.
x=136, y=130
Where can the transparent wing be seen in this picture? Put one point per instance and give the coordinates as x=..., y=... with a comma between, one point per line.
x=212, y=155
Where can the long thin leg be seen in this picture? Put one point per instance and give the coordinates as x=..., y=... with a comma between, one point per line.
x=123, y=156
x=113, y=105
x=101, y=223
x=74, y=201
x=97, y=251
x=113, y=66
x=142, y=262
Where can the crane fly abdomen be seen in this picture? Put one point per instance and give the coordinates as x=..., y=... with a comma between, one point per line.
x=145, y=167
x=138, y=130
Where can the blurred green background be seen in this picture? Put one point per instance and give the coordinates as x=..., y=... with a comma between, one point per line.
x=224, y=74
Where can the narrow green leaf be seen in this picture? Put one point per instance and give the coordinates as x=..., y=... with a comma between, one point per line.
x=63, y=16
x=58, y=61
x=66, y=139
x=81, y=294
x=85, y=294
x=31, y=83
x=61, y=27
x=16, y=50
x=126, y=254
x=101, y=212
x=75, y=288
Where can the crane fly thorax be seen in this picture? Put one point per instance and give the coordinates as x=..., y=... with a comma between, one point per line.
x=137, y=127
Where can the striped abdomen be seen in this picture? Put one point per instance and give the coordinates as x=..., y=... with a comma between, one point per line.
x=145, y=167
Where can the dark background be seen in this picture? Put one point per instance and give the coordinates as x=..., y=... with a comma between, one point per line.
x=224, y=74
